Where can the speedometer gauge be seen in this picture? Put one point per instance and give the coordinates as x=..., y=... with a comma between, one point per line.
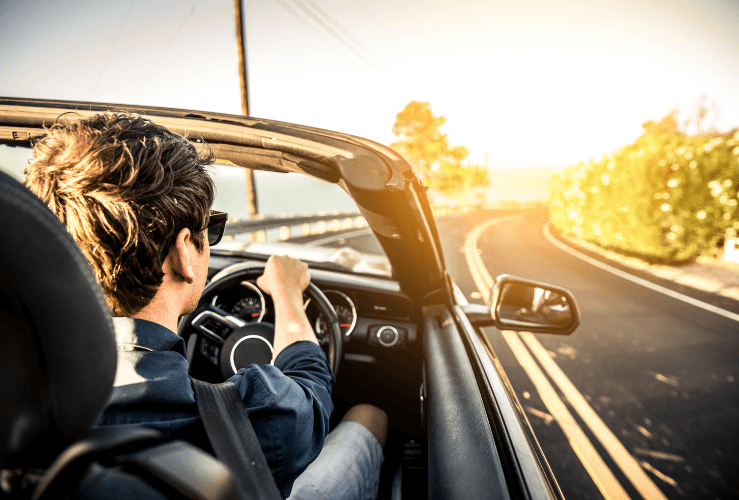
x=246, y=302
x=345, y=310
x=247, y=308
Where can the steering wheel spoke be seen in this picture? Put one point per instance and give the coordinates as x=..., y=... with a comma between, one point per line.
x=216, y=323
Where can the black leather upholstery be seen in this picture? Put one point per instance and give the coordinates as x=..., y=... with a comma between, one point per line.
x=57, y=349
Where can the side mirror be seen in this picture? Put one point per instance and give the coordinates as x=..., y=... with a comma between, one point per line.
x=524, y=305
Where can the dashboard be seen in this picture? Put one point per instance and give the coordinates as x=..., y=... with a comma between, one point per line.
x=375, y=316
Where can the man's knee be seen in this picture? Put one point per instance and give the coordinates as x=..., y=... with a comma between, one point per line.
x=371, y=417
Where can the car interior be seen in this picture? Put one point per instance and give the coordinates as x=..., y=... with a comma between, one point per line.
x=381, y=362
x=396, y=342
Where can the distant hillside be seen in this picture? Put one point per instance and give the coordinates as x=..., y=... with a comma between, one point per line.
x=520, y=184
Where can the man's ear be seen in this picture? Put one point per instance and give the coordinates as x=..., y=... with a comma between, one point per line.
x=180, y=256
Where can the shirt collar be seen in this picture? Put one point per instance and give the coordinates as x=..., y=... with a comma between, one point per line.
x=140, y=334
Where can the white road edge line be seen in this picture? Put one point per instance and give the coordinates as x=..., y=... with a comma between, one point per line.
x=584, y=449
x=648, y=284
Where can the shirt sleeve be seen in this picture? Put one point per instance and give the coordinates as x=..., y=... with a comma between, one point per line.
x=289, y=405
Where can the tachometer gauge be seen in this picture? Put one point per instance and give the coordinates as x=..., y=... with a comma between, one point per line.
x=345, y=310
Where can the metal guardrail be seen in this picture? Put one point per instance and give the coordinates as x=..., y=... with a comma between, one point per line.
x=292, y=226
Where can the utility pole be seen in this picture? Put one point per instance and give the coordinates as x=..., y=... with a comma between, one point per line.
x=251, y=193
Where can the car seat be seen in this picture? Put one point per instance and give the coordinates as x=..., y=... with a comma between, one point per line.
x=57, y=368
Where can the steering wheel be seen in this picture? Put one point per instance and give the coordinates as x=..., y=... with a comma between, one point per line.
x=235, y=344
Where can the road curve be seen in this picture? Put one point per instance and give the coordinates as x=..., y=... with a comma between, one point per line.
x=660, y=374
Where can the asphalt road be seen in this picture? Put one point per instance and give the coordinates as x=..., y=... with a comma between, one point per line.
x=661, y=374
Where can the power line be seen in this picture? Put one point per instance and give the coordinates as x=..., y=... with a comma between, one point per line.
x=345, y=41
x=346, y=33
x=300, y=17
x=163, y=51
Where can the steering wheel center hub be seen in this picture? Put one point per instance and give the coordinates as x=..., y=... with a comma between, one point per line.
x=250, y=344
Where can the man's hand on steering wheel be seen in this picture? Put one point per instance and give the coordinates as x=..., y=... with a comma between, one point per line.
x=282, y=274
x=285, y=279
x=223, y=343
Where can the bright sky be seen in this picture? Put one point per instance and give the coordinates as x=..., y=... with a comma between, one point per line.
x=532, y=83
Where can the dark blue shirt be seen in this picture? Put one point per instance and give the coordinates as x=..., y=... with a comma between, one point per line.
x=289, y=404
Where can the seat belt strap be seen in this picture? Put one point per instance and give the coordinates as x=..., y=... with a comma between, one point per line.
x=233, y=439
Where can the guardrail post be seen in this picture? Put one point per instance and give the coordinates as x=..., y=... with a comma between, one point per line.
x=285, y=232
x=731, y=249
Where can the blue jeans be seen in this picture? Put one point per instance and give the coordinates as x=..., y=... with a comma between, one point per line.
x=347, y=468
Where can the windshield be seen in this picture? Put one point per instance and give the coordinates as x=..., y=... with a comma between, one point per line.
x=306, y=218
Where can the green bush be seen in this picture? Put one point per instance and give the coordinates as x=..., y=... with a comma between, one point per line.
x=665, y=198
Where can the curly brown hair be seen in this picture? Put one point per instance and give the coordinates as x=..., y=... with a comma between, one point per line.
x=124, y=187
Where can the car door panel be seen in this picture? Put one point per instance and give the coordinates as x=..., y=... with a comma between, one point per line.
x=463, y=457
x=526, y=469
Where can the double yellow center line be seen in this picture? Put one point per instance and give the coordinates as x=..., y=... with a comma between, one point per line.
x=594, y=464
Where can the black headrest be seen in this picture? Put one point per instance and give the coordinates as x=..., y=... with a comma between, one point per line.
x=57, y=349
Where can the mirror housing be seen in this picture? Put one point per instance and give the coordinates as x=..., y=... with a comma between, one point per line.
x=478, y=314
x=523, y=305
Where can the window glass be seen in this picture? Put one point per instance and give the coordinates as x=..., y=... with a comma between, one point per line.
x=330, y=228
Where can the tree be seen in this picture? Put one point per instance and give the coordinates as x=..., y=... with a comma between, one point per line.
x=701, y=120
x=704, y=116
x=667, y=125
x=436, y=162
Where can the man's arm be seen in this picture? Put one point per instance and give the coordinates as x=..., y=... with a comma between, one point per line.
x=289, y=406
x=285, y=279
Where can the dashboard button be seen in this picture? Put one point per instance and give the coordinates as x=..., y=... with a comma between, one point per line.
x=209, y=351
x=388, y=336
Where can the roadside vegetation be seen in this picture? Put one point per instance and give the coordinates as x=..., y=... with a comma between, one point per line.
x=439, y=165
x=666, y=198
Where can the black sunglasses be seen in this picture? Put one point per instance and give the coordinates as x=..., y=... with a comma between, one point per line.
x=216, y=225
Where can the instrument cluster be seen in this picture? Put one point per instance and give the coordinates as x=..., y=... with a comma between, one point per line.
x=249, y=303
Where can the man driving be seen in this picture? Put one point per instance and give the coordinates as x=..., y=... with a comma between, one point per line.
x=137, y=199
